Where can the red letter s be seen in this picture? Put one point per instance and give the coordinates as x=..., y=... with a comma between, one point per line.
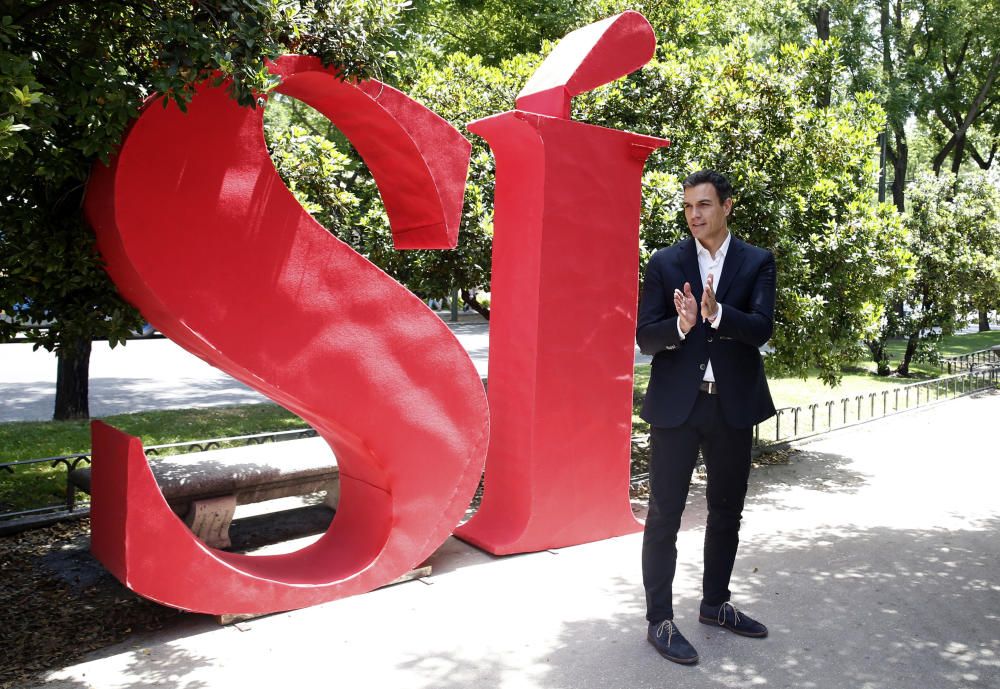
x=200, y=233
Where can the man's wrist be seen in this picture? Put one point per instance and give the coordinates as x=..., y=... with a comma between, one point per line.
x=716, y=318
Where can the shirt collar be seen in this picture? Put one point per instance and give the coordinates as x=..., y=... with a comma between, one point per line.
x=720, y=254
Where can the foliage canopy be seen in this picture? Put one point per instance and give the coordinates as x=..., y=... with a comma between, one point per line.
x=788, y=97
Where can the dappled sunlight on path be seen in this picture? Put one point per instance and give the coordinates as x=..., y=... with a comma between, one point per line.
x=872, y=556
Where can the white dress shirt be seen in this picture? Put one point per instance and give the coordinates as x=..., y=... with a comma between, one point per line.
x=710, y=265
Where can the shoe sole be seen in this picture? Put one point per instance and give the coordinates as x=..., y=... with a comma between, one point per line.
x=675, y=659
x=715, y=623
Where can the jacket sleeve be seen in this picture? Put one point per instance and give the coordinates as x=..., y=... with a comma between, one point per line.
x=755, y=325
x=656, y=328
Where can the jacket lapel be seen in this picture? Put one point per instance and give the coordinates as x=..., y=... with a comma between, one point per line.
x=689, y=267
x=730, y=268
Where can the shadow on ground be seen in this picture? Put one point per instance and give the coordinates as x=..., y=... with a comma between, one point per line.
x=850, y=601
x=877, y=609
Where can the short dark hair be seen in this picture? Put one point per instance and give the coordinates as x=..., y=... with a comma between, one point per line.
x=722, y=186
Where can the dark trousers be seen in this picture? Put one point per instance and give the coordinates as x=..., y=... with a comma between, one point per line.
x=674, y=452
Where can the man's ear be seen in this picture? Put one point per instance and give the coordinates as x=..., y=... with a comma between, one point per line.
x=727, y=206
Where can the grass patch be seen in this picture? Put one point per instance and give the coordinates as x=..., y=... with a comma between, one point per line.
x=801, y=392
x=795, y=392
x=956, y=345
x=859, y=380
x=44, y=485
x=952, y=345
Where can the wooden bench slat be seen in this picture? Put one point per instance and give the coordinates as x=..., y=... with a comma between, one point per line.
x=205, y=487
x=219, y=472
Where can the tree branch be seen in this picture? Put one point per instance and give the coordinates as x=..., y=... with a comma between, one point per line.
x=974, y=111
x=949, y=73
x=986, y=163
x=965, y=48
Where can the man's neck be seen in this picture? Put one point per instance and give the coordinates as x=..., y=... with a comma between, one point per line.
x=713, y=248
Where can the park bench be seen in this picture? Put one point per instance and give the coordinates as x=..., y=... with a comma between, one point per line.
x=204, y=488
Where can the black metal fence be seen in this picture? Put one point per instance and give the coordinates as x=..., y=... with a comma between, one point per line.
x=798, y=423
x=794, y=423
x=71, y=462
x=972, y=360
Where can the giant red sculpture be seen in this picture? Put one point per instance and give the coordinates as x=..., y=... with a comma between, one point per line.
x=564, y=295
x=200, y=233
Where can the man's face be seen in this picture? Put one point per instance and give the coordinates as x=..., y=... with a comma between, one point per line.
x=706, y=217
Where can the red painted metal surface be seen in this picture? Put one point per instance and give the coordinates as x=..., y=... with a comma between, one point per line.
x=200, y=233
x=563, y=310
x=584, y=59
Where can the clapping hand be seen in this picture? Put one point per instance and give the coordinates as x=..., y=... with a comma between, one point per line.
x=709, y=307
x=687, y=307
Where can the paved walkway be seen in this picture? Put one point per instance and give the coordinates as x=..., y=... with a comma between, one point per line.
x=874, y=557
x=157, y=374
x=150, y=374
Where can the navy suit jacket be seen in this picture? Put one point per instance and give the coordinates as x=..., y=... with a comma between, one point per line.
x=746, y=291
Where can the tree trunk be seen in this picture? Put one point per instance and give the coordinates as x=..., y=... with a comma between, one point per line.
x=822, y=21
x=958, y=155
x=897, y=151
x=911, y=347
x=474, y=304
x=899, y=163
x=879, y=357
x=821, y=18
x=73, y=381
x=984, y=320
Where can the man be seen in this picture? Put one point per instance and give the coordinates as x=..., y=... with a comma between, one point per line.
x=707, y=306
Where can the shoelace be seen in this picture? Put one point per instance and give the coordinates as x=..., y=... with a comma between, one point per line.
x=722, y=614
x=669, y=626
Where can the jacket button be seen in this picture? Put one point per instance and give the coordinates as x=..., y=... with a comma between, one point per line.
x=710, y=339
x=702, y=367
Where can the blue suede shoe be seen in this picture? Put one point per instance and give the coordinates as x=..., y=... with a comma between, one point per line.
x=670, y=643
x=726, y=615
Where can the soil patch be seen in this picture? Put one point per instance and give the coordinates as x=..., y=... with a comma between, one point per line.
x=59, y=604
